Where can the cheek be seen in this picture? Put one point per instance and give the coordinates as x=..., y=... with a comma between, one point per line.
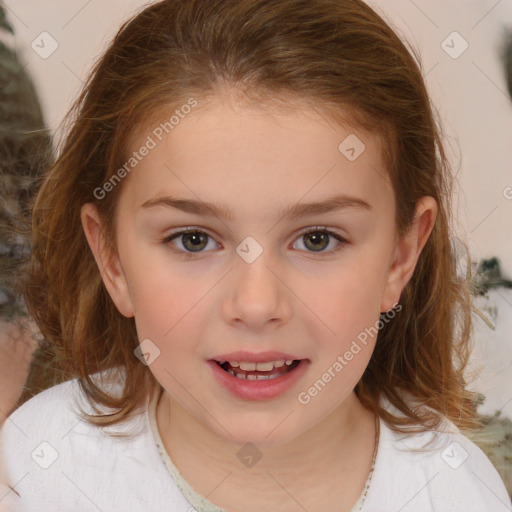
x=167, y=308
x=347, y=296
x=160, y=288
x=164, y=304
x=172, y=310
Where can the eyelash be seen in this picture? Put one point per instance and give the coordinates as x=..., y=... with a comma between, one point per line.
x=317, y=229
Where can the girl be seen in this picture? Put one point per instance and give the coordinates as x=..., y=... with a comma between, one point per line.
x=242, y=259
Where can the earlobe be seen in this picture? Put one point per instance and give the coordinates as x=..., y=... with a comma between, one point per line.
x=108, y=262
x=407, y=251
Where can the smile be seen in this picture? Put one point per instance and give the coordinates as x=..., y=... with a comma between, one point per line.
x=244, y=379
x=259, y=371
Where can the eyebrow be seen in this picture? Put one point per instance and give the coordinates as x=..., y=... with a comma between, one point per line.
x=222, y=211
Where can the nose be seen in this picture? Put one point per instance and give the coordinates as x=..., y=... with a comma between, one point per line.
x=257, y=294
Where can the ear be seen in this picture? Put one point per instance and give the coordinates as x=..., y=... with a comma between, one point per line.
x=407, y=251
x=107, y=260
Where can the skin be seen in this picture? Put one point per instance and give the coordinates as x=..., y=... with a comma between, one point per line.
x=17, y=344
x=293, y=298
x=18, y=340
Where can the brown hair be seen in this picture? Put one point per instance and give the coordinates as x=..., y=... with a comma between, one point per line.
x=338, y=55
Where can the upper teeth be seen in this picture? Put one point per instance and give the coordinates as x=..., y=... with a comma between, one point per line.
x=261, y=367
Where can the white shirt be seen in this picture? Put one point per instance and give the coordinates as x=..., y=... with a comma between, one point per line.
x=57, y=462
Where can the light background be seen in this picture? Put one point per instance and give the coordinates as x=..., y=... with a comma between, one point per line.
x=469, y=91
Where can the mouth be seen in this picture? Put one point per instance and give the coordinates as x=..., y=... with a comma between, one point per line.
x=258, y=376
x=264, y=380
x=259, y=371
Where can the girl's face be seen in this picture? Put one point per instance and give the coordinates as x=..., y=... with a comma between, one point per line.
x=250, y=183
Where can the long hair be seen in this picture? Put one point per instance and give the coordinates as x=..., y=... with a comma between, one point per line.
x=339, y=56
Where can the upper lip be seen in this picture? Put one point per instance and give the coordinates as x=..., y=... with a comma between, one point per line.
x=252, y=357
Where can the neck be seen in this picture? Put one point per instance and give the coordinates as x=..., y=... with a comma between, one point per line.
x=341, y=445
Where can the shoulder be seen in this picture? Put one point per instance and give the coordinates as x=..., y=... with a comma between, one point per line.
x=33, y=437
x=47, y=421
x=53, y=410
x=441, y=471
x=52, y=406
x=56, y=460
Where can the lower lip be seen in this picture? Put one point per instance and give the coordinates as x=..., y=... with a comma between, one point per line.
x=258, y=389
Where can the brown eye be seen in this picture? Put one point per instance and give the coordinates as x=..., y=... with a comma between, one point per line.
x=317, y=240
x=192, y=241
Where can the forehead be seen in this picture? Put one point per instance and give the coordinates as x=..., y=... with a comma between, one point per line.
x=240, y=154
